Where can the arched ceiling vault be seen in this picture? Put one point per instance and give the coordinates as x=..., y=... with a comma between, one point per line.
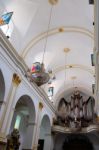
x=52, y=32
x=71, y=27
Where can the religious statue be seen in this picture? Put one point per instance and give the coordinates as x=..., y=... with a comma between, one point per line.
x=13, y=142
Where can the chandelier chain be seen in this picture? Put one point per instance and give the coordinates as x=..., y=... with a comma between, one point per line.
x=46, y=38
x=65, y=70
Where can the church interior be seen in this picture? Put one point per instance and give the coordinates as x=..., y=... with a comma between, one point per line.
x=49, y=75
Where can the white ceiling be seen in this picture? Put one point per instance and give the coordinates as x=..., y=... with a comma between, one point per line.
x=76, y=18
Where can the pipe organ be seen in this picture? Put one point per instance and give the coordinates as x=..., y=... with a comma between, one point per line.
x=77, y=112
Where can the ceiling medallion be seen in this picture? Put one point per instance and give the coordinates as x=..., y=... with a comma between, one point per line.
x=73, y=77
x=66, y=50
x=61, y=29
x=53, y=2
x=70, y=66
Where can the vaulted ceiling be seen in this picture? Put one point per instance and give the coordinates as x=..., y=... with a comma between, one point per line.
x=71, y=27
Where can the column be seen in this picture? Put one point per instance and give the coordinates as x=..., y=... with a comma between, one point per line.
x=37, y=127
x=9, y=110
x=29, y=136
x=96, y=54
x=47, y=143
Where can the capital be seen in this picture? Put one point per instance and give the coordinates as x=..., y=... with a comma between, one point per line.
x=41, y=105
x=16, y=79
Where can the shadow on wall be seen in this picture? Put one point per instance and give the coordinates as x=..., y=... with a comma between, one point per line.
x=77, y=142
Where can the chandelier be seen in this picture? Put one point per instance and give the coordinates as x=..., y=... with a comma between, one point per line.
x=37, y=72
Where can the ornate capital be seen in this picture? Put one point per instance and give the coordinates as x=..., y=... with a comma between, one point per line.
x=53, y=2
x=16, y=79
x=41, y=105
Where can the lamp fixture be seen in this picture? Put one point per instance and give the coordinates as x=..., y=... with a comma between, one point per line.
x=37, y=72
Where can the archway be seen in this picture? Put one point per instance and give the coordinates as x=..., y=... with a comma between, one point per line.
x=72, y=142
x=2, y=88
x=24, y=121
x=45, y=134
x=77, y=142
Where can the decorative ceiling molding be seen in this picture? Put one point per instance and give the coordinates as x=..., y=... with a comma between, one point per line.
x=70, y=66
x=52, y=32
x=53, y=2
x=59, y=129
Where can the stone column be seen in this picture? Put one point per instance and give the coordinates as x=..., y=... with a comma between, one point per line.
x=47, y=143
x=9, y=110
x=37, y=127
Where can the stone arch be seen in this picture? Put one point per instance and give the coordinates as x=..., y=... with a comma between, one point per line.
x=45, y=133
x=24, y=120
x=72, y=141
x=77, y=142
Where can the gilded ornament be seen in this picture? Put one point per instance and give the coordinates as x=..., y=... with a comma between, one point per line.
x=53, y=2
x=41, y=105
x=16, y=79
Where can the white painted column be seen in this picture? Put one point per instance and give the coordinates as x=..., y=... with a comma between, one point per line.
x=9, y=110
x=4, y=108
x=96, y=53
x=47, y=141
x=29, y=135
x=37, y=127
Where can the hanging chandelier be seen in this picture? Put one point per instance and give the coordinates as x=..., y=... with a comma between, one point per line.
x=37, y=72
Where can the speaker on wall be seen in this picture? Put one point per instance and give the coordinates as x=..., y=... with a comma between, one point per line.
x=91, y=1
x=92, y=60
x=93, y=88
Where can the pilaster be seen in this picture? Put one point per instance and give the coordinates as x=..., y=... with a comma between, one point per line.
x=9, y=110
x=37, y=127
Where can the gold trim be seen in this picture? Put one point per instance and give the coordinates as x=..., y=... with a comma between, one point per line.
x=61, y=29
x=66, y=50
x=41, y=105
x=70, y=66
x=54, y=31
x=73, y=77
x=53, y=2
x=16, y=79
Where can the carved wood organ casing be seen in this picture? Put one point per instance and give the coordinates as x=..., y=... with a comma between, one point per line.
x=77, y=109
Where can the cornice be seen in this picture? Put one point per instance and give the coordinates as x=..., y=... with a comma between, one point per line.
x=61, y=129
x=20, y=64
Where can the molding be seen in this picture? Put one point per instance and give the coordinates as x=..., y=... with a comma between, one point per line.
x=22, y=68
x=52, y=32
x=61, y=129
x=31, y=124
x=70, y=66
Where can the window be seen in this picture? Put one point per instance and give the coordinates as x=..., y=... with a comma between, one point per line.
x=50, y=92
x=6, y=24
x=17, y=122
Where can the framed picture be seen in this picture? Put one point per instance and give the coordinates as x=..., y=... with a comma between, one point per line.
x=50, y=91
